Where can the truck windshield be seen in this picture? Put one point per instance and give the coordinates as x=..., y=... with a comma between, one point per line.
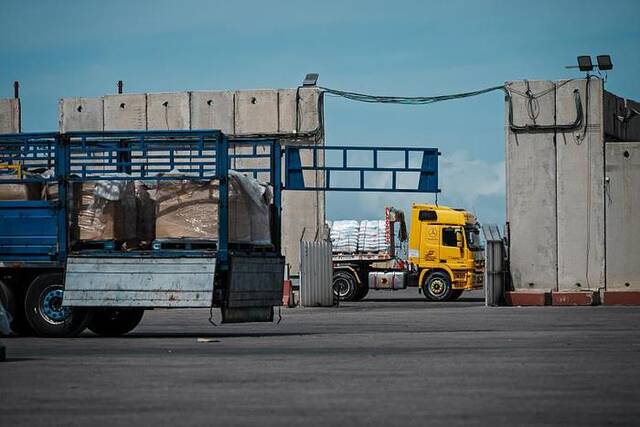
x=473, y=238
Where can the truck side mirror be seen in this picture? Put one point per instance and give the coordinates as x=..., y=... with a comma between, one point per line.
x=459, y=239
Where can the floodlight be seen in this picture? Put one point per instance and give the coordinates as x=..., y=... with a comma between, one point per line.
x=584, y=63
x=310, y=80
x=604, y=63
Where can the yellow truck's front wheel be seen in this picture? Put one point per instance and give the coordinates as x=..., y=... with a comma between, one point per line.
x=437, y=286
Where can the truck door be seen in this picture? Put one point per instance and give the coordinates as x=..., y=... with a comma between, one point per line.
x=449, y=251
x=429, y=242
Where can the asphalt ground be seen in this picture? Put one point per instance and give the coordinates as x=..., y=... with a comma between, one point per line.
x=393, y=359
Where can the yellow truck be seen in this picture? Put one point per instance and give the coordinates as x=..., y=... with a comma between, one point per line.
x=444, y=256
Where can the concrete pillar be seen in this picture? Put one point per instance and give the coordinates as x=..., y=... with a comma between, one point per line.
x=531, y=191
x=580, y=187
x=622, y=199
x=303, y=211
x=125, y=112
x=81, y=114
x=168, y=111
x=9, y=115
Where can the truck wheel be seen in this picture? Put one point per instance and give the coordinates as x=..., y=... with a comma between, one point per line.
x=7, y=300
x=44, y=311
x=361, y=293
x=115, y=322
x=19, y=324
x=437, y=287
x=344, y=285
x=455, y=294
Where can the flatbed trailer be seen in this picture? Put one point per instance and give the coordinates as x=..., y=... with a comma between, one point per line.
x=444, y=259
x=57, y=285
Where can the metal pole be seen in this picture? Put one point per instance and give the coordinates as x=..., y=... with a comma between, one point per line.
x=16, y=89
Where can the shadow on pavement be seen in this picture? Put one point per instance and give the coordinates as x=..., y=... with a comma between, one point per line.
x=207, y=334
x=401, y=300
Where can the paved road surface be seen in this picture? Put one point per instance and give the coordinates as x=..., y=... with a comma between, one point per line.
x=392, y=359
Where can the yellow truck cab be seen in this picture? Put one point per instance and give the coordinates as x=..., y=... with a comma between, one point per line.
x=444, y=248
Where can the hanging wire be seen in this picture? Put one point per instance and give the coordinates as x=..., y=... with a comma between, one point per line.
x=407, y=100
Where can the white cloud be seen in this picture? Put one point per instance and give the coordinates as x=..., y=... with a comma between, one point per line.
x=465, y=179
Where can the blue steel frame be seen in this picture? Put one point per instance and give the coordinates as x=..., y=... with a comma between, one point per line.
x=136, y=155
x=294, y=168
x=191, y=155
x=39, y=150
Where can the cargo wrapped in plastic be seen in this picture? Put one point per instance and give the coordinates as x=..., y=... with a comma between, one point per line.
x=103, y=210
x=145, y=213
x=19, y=191
x=344, y=236
x=185, y=208
x=372, y=236
x=189, y=208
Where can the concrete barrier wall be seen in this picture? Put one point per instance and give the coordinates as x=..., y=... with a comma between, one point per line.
x=168, y=111
x=213, y=110
x=9, y=115
x=277, y=111
x=580, y=188
x=125, y=112
x=81, y=114
x=623, y=215
x=531, y=191
x=571, y=180
x=621, y=122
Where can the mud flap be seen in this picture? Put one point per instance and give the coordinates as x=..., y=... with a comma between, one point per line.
x=255, y=287
x=247, y=314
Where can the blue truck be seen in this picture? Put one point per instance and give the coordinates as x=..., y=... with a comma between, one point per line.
x=57, y=284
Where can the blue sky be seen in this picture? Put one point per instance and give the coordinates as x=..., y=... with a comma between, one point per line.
x=81, y=48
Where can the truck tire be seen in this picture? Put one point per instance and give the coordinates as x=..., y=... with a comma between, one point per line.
x=115, y=322
x=10, y=300
x=7, y=300
x=437, y=287
x=42, y=306
x=361, y=293
x=455, y=294
x=344, y=285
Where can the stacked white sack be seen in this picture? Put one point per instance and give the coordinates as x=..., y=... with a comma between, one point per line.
x=372, y=236
x=344, y=236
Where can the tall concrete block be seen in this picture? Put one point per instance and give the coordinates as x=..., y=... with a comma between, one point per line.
x=303, y=212
x=9, y=115
x=125, y=112
x=287, y=110
x=168, y=111
x=621, y=118
x=256, y=111
x=622, y=200
x=213, y=110
x=531, y=192
x=580, y=187
x=81, y=114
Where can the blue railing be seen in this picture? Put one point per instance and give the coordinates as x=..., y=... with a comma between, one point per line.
x=422, y=163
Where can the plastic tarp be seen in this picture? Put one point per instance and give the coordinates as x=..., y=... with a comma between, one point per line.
x=104, y=210
x=187, y=208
